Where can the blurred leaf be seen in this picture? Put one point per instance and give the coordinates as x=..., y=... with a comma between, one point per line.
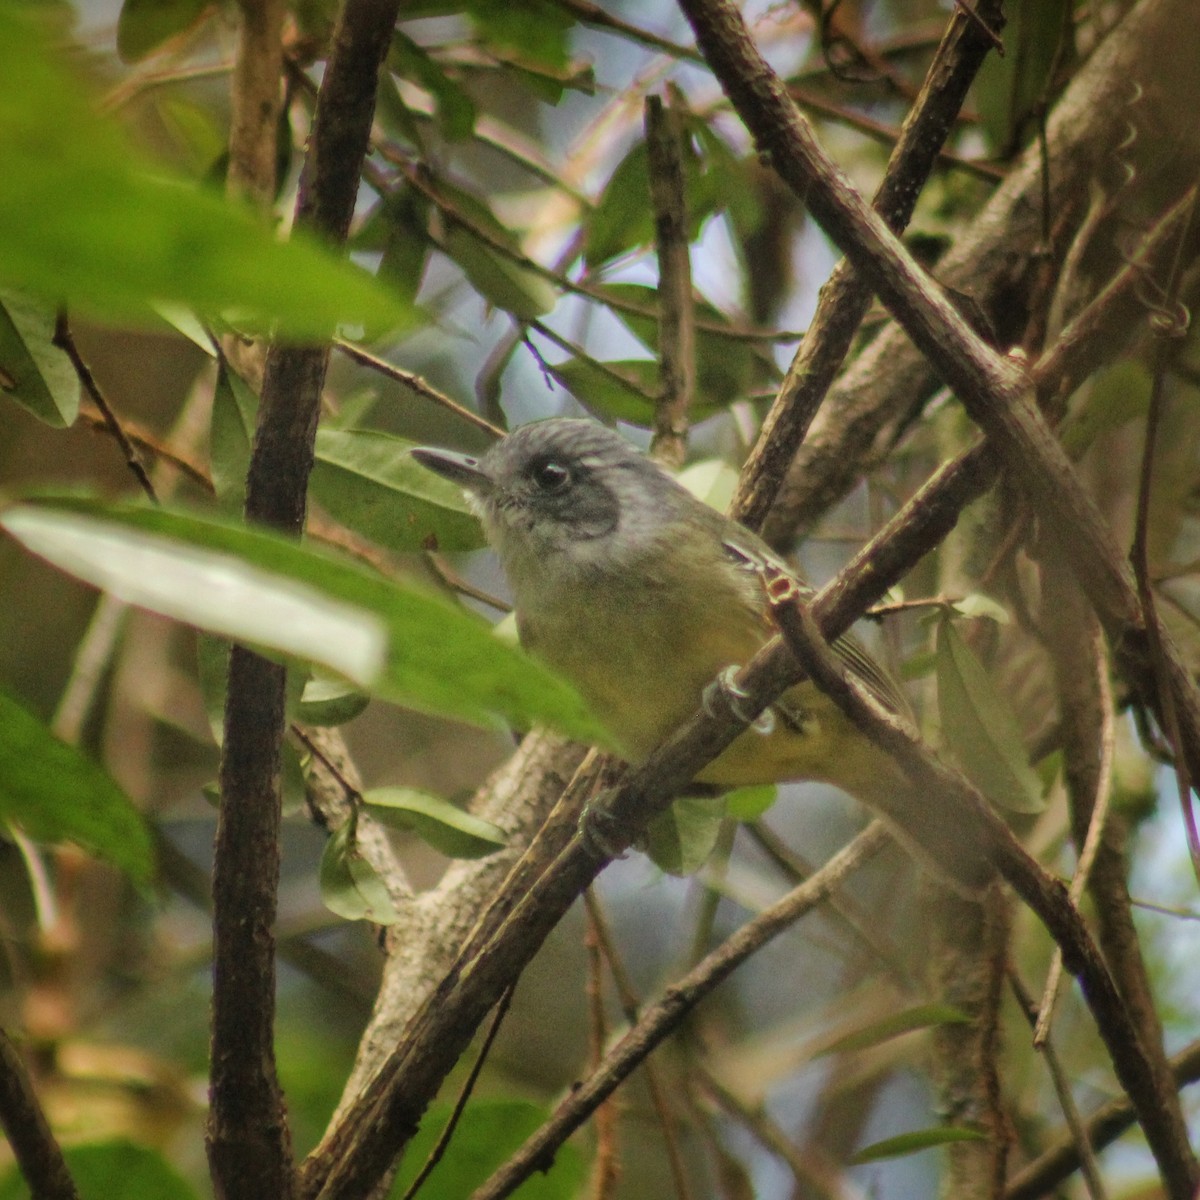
x=502, y=282
x=444, y=826
x=923, y=1016
x=681, y=839
x=56, y=794
x=1009, y=89
x=260, y=588
x=712, y=480
x=33, y=371
x=350, y=886
x=980, y=729
x=144, y=25
x=549, y=84
x=455, y=109
x=398, y=227
x=367, y=480
x=488, y=1134
x=601, y=390
x=1113, y=397
x=726, y=368
x=749, y=803
x=293, y=784
x=231, y=436
x=535, y=29
x=921, y=1139
x=112, y=1170
x=978, y=605
x=329, y=702
x=104, y=228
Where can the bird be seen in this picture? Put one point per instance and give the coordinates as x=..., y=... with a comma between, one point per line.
x=646, y=599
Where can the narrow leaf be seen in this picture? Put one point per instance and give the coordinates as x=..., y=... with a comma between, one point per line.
x=366, y=480
x=444, y=826
x=55, y=794
x=350, y=886
x=680, y=841
x=329, y=702
x=923, y=1016
x=920, y=1139
x=33, y=371
x=980, y=728
x=393, y=638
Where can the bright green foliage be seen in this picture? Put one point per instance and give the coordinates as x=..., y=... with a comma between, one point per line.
x=394, y=639
x=113, y=1170
x=57, y=794
x=131, y=235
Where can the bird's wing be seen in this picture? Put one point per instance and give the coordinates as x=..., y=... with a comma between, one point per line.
x=753, y=553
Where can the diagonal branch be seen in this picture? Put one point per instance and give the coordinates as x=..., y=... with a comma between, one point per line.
x=845, y=297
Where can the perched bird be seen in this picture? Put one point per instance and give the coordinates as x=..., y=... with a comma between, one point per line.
x=642, y=596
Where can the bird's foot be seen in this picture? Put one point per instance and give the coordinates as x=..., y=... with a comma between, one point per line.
x=726, y=687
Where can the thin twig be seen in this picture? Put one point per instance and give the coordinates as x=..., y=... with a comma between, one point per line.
x=1062, y=1088
x=64, y=339
x=606, y=1165
x=663, y=1017
x=414, y=383
x=460, y=1104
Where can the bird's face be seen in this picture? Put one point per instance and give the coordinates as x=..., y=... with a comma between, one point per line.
x=562, y=497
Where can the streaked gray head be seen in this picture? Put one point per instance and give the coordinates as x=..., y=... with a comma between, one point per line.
x=565, y=487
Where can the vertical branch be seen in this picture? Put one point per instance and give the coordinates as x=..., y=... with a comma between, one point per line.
x=676, y=330
x=248, y=1140
x=255, y=101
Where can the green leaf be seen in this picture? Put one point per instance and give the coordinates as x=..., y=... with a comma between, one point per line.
x=392, y=638
x=444, y=826
x=623, y=219
x=398, y=228
x=33, y=371
x=1113, y=397
x=112, y=1170
x=712, y=480
x=978, y=605
x=922, y=1016
x=56, y=794
x=920, y=1139
x=500, y=280
x=455, y=109
x=105, y=228
x=329, y=702
x=1009, y=88
x=604, y=391
x=350, y=886
x=681, y=839
x=144, y=25
x=293, y=784
x=487, y=1135
x=749, y=803
x=980, y=729
x=726, y=368
x=231, y=436
x=535, y=29
x=367, y=480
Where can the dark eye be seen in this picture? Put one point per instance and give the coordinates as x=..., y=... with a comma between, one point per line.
x=550, y=476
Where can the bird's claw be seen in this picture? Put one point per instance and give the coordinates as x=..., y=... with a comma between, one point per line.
x=602, y=833
x=726, y=687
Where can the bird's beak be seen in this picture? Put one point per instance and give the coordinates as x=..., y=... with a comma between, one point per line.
x=458, y=468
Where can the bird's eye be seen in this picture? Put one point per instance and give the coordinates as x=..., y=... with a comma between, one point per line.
x=550, y=476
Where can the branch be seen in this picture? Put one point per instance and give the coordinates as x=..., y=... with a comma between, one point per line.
x=1165, y=1133
x=1137, y=78
x=845, y=297
x=255, y=101
x=33, y=1144
x=249, y=1143
x=665, y=1015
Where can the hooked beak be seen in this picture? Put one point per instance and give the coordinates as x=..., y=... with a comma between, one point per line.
x=458, y=468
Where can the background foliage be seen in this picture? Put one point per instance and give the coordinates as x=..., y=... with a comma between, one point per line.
x=503, y=269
